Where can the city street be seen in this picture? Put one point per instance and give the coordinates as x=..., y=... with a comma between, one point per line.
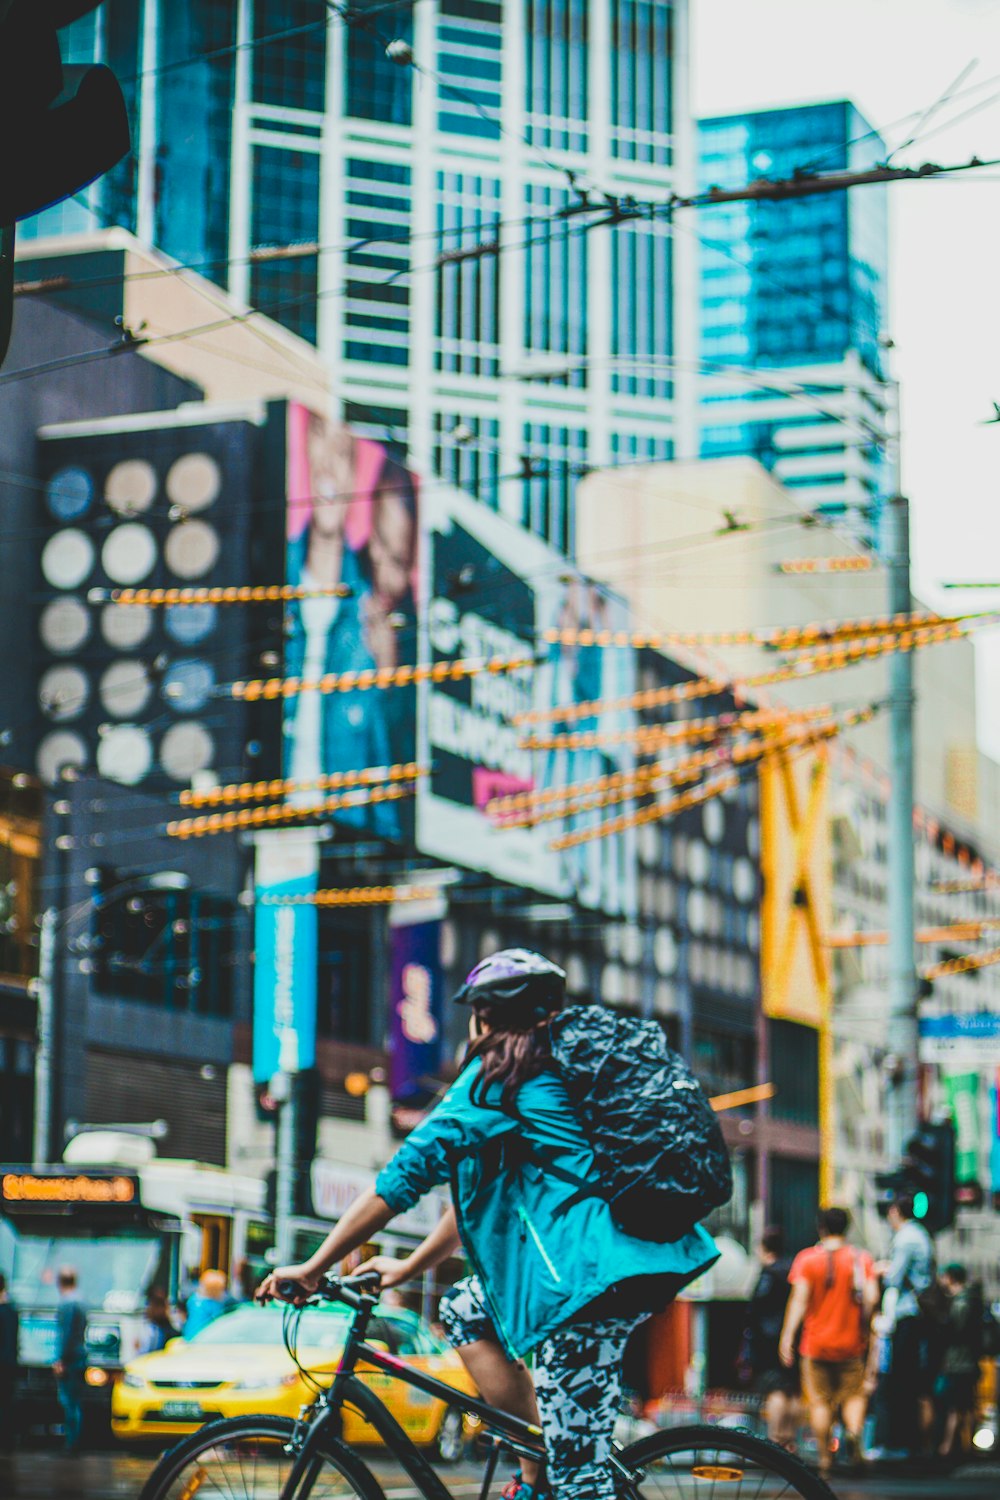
x=100, y=1476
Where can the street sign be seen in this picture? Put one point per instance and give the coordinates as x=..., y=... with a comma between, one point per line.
x=951, y=1038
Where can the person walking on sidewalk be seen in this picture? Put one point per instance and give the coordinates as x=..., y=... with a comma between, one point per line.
x=71, y=1358
x=957, y=1383
x=765, y=1318
x=8, y=1368
x=834, y=1293
x=908, y=1279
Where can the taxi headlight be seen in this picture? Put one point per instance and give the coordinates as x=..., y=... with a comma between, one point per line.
x=134, y=1382
x=264, y=1382
x=984, y=1439
x=96, y=1377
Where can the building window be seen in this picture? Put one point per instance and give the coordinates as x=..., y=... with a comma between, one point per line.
x=555, y=293
x=376, y=87
x=467, y=454
x=469, y=81
x=343, y=1004
x=641, y=310
x=290, y=70
x=171, y=949
x=468, y=291
x=641, y=105
x=377, y=300
x=556, y=74
x=794, y=1059
x=554, y=459
x=285, y=212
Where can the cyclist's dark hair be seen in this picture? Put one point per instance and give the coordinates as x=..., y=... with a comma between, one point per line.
x=515, y=1048
x=773, y=1239
x=833, y=1221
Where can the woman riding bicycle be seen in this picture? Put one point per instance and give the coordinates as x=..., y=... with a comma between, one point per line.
x=553, y=1271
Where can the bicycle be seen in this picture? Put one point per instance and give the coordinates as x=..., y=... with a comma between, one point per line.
x=275, y=1458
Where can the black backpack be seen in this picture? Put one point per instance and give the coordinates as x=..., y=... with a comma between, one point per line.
x=661, y=1158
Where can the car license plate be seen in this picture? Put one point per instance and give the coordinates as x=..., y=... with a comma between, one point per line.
x=182, y=1411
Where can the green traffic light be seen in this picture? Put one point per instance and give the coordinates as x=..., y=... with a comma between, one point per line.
x=921, y=1203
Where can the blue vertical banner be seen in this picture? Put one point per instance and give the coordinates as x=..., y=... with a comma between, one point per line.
x=995, y=1138
x=286, y=952
x=416, y=1003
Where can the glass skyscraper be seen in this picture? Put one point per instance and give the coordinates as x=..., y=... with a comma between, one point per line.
x=793, y=310
x=332, y=172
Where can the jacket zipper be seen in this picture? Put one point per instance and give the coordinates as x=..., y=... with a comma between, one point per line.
x=527, y=1224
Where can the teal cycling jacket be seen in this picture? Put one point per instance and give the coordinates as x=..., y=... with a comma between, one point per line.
x=543, y=1249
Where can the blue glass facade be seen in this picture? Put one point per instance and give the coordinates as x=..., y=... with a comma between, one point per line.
x=797, y=286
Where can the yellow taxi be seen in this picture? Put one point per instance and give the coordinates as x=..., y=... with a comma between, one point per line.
x=239, y=1365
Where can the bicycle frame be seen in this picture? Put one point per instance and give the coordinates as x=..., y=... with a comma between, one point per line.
x=348, y=1388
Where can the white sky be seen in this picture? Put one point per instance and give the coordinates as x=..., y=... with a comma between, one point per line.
x=894, y=58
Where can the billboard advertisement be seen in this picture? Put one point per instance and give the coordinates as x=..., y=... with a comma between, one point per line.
x=416, y=1032
x=493, y=591
x=352, y=525
x=285, y=953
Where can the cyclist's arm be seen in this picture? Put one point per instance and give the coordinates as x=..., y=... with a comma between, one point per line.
x=366, y=1216
x=442, y=1242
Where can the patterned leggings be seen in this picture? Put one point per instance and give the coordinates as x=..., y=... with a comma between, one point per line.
x=578, y=1381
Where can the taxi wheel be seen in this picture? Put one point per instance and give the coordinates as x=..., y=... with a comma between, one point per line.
x=449, y=1445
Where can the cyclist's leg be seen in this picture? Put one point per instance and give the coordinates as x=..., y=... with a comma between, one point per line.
x=578, y=1380
x=503, y=1382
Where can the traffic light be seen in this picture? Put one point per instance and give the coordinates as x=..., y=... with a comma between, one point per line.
x=926, y=1174
x=60, y=127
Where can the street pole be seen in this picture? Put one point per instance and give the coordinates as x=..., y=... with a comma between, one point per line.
x=901, y=1116
x=285, y=1169
x=41, y=1138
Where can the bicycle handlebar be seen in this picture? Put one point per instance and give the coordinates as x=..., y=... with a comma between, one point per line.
x=348, y=1289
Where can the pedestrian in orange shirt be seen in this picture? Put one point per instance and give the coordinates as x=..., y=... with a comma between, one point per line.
x=834, y=1293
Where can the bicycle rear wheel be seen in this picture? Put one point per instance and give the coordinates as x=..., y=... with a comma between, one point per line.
x=244, y=1458
x=716, y=1463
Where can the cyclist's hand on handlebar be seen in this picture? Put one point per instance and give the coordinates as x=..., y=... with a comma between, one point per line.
x=304, y=1280
x=390, y=1272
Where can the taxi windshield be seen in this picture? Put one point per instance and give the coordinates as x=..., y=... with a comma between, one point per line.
x=262, y=1325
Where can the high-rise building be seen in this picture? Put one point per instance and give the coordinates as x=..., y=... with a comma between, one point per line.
x=793, y=310
x=403, y=186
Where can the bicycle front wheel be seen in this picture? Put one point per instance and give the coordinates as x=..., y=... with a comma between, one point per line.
x=245, y=1458
x=692, y=1463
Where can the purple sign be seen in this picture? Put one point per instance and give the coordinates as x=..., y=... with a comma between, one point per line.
x=415, y=1031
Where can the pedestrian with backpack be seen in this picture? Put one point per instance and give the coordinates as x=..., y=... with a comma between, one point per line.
x=834, y=1293
x=540, y=1198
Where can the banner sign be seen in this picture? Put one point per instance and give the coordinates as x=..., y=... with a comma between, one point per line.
x=969, y=1039
x=352, y=525
x=416, y=985
x=335, y=1185
x=495, y=590
x=286, y=953
x=963, y=1100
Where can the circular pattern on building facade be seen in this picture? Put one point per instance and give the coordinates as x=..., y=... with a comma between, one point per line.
x=125, y=689
x=188, y=684
x=194, y=482
x=189, y=624
x=125, y=626
x=632, y=944
x=744, y=881
x=57, y=752
x=612, y=984
x=713, y=821
x=649, y=845
x=69, y=493
x=130, y=487
x=63, y=692
x=185, y=750
x=67, y=558
x=665, y=952
x=125, y=754
x=64, y=625
x=699, y=862
x=192, y=549
x=129, y=553
x=696, y=910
